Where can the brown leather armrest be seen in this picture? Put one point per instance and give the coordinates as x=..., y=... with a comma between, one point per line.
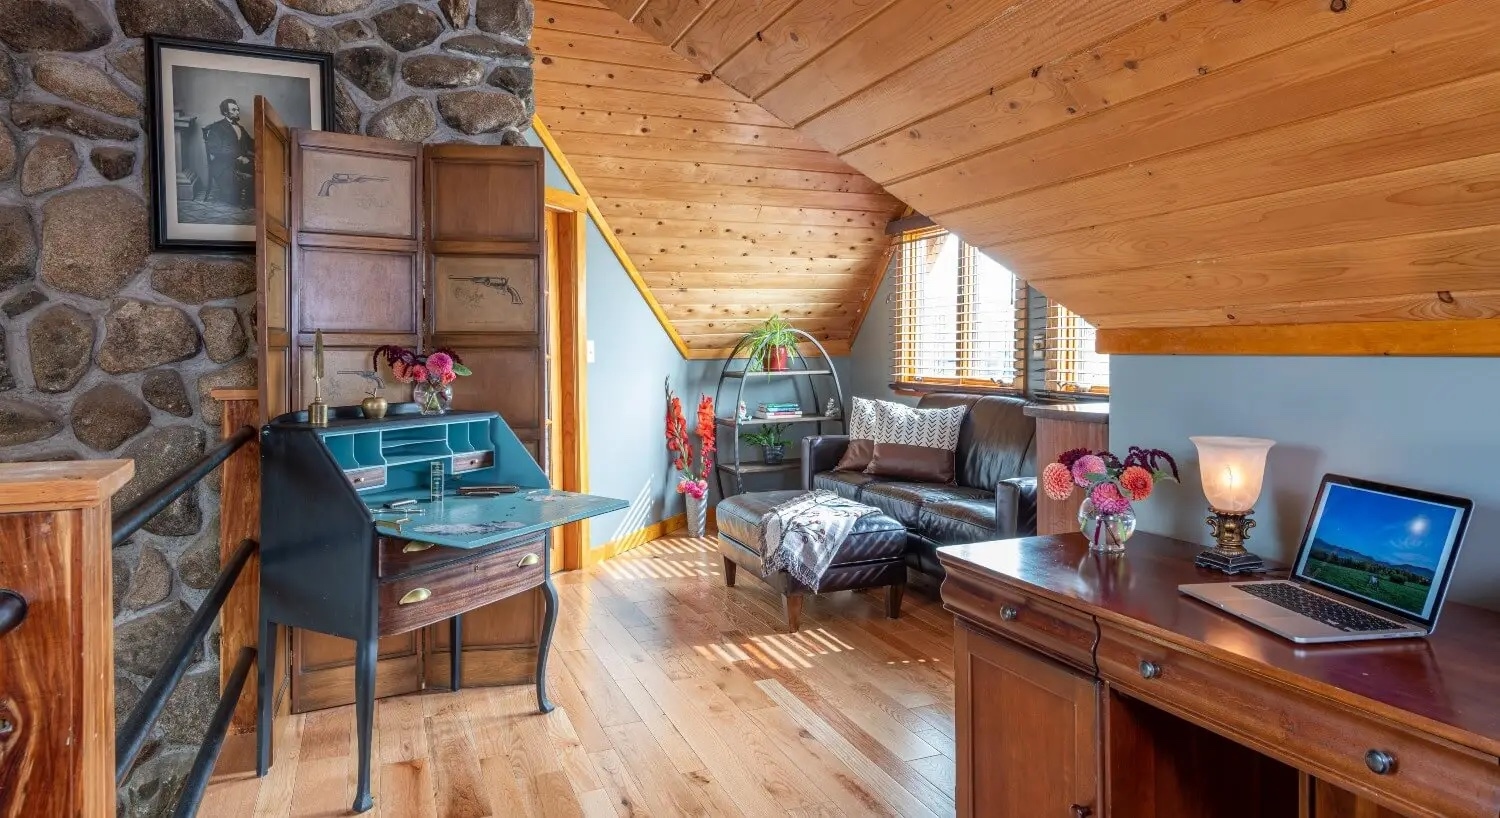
x=1015, y=507
x=821, y=453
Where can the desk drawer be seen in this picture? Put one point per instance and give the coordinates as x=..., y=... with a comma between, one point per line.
x=420, y=599
x=1425, y=776
x=1057, y=630
x=398, y=556
x=472, y=461
x=366, y=478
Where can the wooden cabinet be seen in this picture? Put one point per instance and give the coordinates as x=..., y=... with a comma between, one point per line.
x=1027, y=732
x=1082, y=691
x=1058, y=429
x=373, y=242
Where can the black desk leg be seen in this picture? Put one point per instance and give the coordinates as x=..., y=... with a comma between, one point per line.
x=549, y=624
x=265, y=696
x=365, y=652
x=456, y=652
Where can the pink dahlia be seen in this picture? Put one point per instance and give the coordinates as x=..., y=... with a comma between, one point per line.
x=1137, y=482
x=1057, y=481
x=439, y=363
x=418, y=372
x=1085, y=466
x=1107, y=498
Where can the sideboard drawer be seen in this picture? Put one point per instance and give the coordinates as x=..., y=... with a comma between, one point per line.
x=1418, y=774
x=415, y=600
x=1052, y=628
x=366, y=478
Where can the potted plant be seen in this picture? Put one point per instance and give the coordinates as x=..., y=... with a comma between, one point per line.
x=431, y=375
x=772, y=444
x=771, y=344
x=692, y=483
x=1106, y=517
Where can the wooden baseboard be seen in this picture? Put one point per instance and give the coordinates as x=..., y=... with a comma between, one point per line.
x=640, y=536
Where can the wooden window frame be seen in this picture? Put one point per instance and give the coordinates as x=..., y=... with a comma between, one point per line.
x=1035, y=356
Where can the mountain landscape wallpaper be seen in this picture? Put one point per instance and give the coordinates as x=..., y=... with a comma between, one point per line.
x=1383, y=548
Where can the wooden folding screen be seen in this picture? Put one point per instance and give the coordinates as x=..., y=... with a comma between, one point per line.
x=343, y=248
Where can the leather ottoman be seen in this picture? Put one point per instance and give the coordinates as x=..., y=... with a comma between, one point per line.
x=871, y=556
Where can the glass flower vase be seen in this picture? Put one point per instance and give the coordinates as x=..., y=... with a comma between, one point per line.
x=1105, y=532
x=432, y=398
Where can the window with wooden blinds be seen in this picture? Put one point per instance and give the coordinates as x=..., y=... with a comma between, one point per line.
x=1072, y=363
x=954, y=316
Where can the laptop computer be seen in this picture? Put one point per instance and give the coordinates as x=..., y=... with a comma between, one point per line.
x=1374, y=564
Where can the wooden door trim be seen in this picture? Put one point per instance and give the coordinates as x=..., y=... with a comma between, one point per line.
x=568, y=395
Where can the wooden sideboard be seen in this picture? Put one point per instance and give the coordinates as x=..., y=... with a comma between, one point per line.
x=1060, y=427
x=1088, y=686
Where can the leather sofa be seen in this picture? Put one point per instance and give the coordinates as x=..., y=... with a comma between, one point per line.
x=993, y=497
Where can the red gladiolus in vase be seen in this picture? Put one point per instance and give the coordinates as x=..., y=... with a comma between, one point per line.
x=693, y=482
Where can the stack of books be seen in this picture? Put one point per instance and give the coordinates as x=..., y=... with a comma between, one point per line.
x=771, y=411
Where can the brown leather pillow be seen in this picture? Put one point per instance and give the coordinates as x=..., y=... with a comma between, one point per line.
x=861, y=436
x=916, y=444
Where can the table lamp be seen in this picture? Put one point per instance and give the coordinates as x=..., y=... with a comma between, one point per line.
x=1232, y=469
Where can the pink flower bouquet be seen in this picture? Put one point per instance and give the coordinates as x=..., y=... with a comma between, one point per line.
x=1111, y=484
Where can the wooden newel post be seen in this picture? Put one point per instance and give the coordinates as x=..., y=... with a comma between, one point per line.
x=239, y=518
x=57, y=696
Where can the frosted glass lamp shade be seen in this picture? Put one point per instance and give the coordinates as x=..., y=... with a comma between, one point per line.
x=1233, y=469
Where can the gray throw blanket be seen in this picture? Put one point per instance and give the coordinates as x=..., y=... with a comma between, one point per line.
x=802, y=535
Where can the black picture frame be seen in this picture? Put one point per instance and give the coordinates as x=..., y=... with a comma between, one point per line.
x=170, y=173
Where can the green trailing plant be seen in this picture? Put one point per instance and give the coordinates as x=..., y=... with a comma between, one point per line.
x=776, y=333
x=770, y=436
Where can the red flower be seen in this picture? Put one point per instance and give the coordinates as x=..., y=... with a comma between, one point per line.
x=1137, y=482
x=1071, y=456
x=418, y=372
x=449, y=377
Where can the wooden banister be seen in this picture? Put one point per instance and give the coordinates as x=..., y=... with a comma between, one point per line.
x=57, y=703
x=239, y=519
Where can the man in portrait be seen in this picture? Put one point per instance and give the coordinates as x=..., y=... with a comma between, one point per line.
x=231, y=152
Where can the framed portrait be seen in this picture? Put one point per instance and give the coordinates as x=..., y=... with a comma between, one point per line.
x=201, y=123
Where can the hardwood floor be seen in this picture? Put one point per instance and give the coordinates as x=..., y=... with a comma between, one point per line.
x=676, y=696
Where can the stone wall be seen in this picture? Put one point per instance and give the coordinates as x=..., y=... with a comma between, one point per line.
x=109, y=350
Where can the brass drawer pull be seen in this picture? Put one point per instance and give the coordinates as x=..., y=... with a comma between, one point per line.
x=414, y=547
x=529, y=560
x=1150, y=669
x=1009, y=613
x=1380, y=762
x=415, y=595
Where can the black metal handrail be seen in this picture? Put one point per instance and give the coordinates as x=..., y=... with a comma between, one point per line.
x=130, y=520
x=132, y=736
x=213, y=741
x=12, y=610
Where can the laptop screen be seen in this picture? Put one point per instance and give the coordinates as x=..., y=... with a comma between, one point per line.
x=1385, y=545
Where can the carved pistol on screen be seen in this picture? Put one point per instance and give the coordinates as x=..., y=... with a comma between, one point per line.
x=493, y=282
x=346, y=179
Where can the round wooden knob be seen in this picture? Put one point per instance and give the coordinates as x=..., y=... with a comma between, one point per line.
x=1009, y=613
x=1150, y=669
x=1380, y=762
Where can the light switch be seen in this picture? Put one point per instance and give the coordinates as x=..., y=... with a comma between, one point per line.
x=589, y=351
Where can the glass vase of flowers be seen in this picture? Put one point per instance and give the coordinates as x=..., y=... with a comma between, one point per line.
x=431, y=375
x=1106, y=517
x=692, y=482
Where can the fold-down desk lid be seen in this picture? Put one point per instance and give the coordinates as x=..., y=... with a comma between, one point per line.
x=475, y=522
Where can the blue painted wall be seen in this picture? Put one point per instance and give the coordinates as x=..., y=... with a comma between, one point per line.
x=626, y=400
x=1420, y=422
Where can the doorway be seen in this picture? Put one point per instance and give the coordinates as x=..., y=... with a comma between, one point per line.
x=567, y=417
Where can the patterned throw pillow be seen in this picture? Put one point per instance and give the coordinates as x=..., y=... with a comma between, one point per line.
x=916, y=444
x=861, y=436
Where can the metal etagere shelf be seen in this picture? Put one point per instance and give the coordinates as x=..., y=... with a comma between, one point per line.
x=806, y=374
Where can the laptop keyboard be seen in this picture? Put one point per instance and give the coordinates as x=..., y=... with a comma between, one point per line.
x=1319, y=607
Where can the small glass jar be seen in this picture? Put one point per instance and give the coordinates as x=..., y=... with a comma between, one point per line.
x=1105, y=532
x=432, y=398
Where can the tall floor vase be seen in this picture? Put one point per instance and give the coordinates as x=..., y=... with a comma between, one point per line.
x=697, y=515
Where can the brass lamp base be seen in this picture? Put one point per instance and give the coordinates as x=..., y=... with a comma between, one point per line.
x=1230, y=530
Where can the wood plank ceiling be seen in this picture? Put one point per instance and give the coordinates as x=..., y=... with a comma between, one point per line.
x=1158, y=163
x=728, y=214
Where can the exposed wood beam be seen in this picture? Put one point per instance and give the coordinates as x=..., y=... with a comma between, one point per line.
x=1405, y=338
